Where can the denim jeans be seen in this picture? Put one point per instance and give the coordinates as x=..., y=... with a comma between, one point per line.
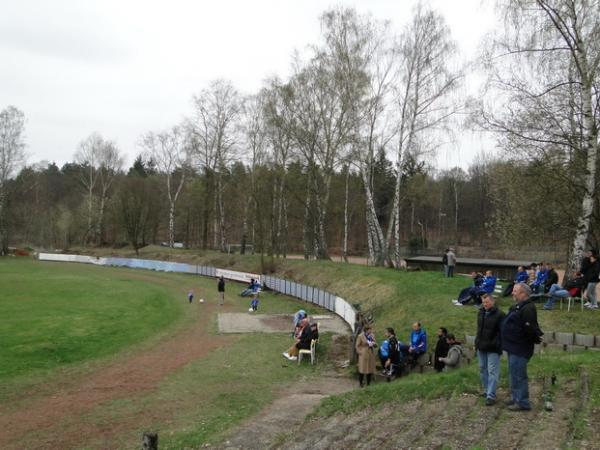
x=556, y=291
x=489, y=370
x=591, y=293
x=519, y=383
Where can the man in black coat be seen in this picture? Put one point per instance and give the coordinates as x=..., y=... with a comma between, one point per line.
x=489, y=346
x=520, y=331
x=441, y=349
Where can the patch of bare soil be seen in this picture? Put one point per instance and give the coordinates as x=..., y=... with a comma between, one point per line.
x=461, y=422
x=56, y=420
x=275, y=323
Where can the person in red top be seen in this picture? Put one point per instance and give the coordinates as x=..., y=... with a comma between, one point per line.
x=572, y=288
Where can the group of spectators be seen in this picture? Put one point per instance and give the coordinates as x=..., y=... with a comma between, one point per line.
x=304, y=333
x=543, y=280
x=393, y=354
x=515, y=333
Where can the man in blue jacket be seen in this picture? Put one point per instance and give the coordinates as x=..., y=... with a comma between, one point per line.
x=487, y=286
x=418, y=343
x=520, y=332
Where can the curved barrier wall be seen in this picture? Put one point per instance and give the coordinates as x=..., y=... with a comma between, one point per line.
x=304, y=292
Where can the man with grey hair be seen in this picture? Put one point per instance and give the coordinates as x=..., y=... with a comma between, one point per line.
x=520, y=332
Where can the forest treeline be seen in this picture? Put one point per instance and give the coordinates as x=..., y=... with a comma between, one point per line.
x=335, y=159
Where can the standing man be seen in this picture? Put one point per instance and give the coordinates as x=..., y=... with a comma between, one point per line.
x=520, y=331
x=221, y=290
x=451, y=262
x=190, y=296
x=445, y=262
x=591, y=278
x=488, y=346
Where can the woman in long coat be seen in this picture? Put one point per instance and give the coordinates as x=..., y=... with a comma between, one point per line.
x=365, y=348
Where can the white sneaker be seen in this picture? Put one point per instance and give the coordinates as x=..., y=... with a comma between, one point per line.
x=293, y=358
x=458, y=304
x=593, y=306
x=286, y=355
x=587, y=304
x=455, y=301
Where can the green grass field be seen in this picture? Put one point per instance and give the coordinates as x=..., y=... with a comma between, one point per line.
x=56, y=315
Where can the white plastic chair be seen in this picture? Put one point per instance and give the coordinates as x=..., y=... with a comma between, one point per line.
x=312, y=352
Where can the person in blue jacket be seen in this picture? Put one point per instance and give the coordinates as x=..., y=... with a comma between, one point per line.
x=520, y=277
x=538, y=284
x=418, y=344
x=486, y=287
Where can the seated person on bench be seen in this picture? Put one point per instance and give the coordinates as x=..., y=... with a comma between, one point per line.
x=537, y=287
x=418, y=344
x=466, y=292
x=251, y=289
x=572, y=288
x=487, y=286
x=520, y=277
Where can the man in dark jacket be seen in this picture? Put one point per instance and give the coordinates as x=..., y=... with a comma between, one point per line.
x=519, y=332
x=488, y=345
x=441, y=349
x=551, y=277
x=591, y=278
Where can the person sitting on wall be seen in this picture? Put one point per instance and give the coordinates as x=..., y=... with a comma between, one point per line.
x=418, y=344
x=253, y=287
x=466, y=292
x=455, y=354
x=441, y=349
x=487, y=286
x=392, y=363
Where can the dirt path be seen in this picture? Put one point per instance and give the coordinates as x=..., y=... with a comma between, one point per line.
x=53, y=421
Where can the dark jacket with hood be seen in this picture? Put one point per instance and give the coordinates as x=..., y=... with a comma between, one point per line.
x=488, y=330
x=520, y=330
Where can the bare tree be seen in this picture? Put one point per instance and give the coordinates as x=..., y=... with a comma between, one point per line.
x=424, y=96
x=169, y=150
x=12, y=155
x=546, y=104
x=279, y=135
x=213, y=131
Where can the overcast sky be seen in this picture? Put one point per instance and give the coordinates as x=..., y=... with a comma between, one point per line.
x=123, y=67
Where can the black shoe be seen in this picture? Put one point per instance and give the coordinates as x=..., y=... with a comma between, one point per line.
x=490, y=401
x=483, y=394
x=515, y=407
